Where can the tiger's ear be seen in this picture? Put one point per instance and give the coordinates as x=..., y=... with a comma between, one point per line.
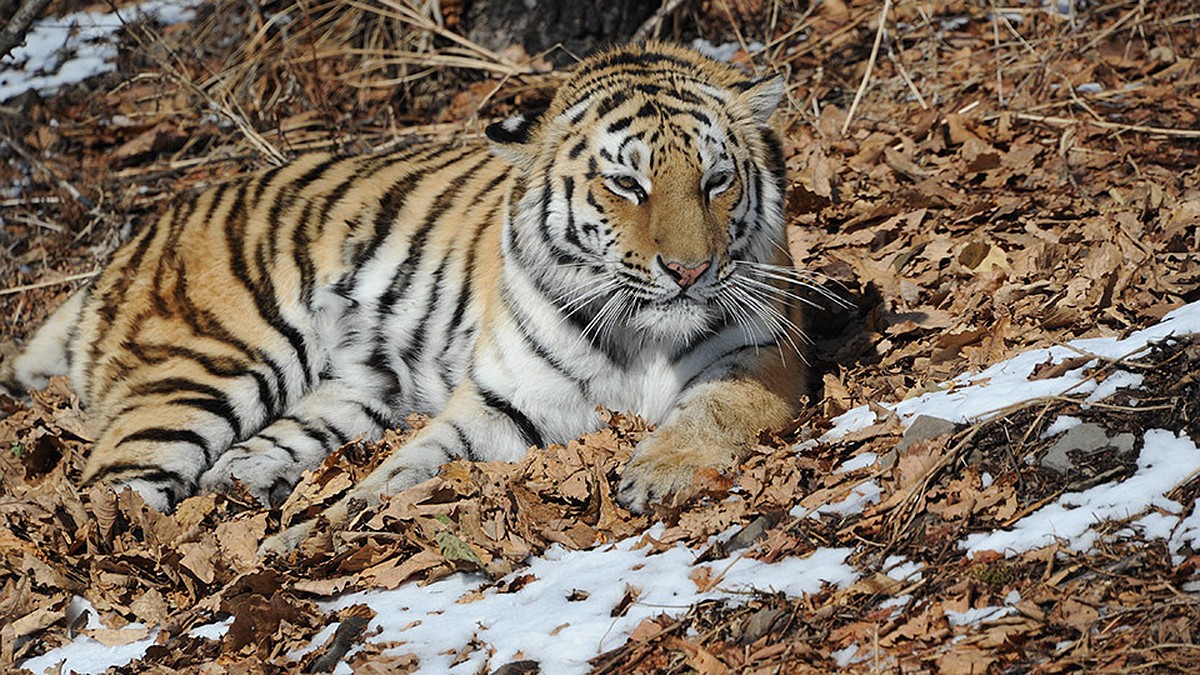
x=762, y=96
x=513, y=139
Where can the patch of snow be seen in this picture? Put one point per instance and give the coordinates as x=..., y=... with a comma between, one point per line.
x=847, y=656
x=862, y=495
x=65, y=50
x=1166, y=461
x=724, y=51
x=540, y=622
x=849, y=422
x=977, y=396
x=1060, y=424
x=977, y=615
x=86, y=655
x=953, y=23
x=1186, y=533
x=1122, y=379
x=1156, y=525
x=857, y=462
x=212, y=631
x=902, y=569
x=897, y=605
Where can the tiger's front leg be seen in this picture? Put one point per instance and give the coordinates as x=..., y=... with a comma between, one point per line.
x=270, y=463
x=712, y=427
x=474, y=425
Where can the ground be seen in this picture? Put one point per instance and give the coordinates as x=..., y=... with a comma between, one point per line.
x=977, y=181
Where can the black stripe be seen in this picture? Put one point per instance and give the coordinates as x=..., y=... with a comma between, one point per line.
x=292, y=453
x=561, y=255
x=468, y=273
x=572, y=229
x=374, y=415
x=523, y=323
x=529, y=432
x=110, y=299
x=416, y=242
x=611, y=102
x=165, y=435
x=618, y=125
x=393, y=200
x=468, y=450
x=218, y=408
x=214, y=402
x=293, y=189
x=415, y=348
x=326, y=433
x=219, y=366
x=263, y=293
x=148, y=472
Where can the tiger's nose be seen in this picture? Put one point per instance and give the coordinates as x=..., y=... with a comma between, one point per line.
x=682, y=274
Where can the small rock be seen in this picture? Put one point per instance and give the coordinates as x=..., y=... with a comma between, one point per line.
x=518, y=668
x=1087, y=438
x=923, y=428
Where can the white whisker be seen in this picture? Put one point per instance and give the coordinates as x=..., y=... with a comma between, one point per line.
x=803, y=279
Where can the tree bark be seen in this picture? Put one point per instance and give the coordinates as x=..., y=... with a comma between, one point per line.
x=580, y=26
x=18, y=24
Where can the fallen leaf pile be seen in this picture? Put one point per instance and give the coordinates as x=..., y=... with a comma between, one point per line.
x=989, y=180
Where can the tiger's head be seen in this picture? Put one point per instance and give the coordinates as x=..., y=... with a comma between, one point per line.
x=650, y=195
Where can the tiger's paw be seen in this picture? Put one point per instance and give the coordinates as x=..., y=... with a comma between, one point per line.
x=667, y=462
x=282, y=543
x=323, y=527
x=257, y=471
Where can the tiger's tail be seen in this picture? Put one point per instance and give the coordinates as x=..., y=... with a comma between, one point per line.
x=47, y=353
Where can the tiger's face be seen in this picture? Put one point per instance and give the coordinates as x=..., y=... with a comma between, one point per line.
x=650, y=195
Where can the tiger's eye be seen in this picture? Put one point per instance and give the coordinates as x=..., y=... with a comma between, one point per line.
x=627, y=183
x=718, y=183
x=628, y=187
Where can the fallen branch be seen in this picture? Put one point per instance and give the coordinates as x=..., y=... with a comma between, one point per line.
x=17, y=27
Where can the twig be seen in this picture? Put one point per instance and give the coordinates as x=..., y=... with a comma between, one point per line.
x=229, y=108
x=999, y=58
x=862, y=87
x=40, y=166
x=417, y=20
x=650, y=28
x=1136, y=128
x=908, y=80
x=49, y=282
x=17, y=27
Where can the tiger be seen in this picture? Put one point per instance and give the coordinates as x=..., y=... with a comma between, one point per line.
x=622, y=249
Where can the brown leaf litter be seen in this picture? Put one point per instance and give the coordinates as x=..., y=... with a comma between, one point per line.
x=1011, y=178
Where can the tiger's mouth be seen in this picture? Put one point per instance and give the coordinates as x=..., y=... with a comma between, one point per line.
x=680, y=318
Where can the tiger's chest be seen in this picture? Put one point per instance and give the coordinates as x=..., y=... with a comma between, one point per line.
x=426, y=350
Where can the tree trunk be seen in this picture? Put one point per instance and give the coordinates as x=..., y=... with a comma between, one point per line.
x=580, y=26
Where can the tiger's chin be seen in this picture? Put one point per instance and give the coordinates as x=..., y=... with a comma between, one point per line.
x=675, y=322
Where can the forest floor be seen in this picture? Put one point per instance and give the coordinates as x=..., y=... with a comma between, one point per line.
x=977, y=180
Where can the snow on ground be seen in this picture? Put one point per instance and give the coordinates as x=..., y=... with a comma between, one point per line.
x=1165, y=460
x=71, y=48
x=86, y=654
x=563, y=617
